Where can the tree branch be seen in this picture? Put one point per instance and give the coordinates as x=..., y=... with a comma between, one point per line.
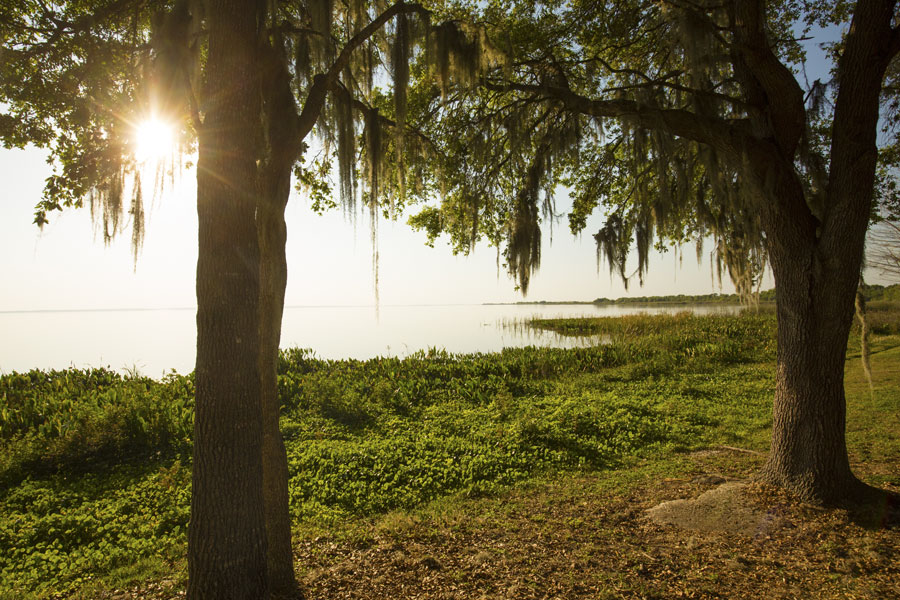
x=82, y=24
x=322, y=83
x=362, y=107
x=783, y=96
x=861, y=68
x=735, y=102
x=729, y=136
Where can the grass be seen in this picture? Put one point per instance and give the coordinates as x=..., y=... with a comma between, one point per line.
x=95, y=474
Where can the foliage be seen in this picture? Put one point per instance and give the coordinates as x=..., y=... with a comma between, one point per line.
x=874, y=292
x=79, y=90
x=390, y=433
x=79, y=79
x=633, y=109
x=763, y=296
x=716, y=338
x=64, y=420
x=363, y=437
x=59, y=533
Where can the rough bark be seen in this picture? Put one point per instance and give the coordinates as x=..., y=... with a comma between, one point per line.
x=281, y=149
x=808, y=452
x=227, y=540
x=816, y=266
x=273, y=278
x=272, y=235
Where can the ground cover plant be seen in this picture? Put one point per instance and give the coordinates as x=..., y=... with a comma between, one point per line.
x=419, y=454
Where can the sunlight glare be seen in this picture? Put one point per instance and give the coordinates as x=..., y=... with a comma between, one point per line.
x=154, y=140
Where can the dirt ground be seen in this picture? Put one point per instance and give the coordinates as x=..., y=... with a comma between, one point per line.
x=578, y=537
x=556, y=544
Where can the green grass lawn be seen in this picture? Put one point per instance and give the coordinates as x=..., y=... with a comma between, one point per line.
x=95, y=467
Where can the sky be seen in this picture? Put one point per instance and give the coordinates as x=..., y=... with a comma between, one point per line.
x=68, y=266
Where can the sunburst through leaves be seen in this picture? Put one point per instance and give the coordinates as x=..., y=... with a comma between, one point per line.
x=154, y=140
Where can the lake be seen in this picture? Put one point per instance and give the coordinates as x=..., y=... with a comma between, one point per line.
x=157, y=341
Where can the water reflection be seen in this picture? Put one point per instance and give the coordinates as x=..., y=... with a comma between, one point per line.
x=524, y=330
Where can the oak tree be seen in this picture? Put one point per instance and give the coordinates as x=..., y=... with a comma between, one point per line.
x=686, y=119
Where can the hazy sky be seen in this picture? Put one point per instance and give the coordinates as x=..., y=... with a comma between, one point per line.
x=67, y=265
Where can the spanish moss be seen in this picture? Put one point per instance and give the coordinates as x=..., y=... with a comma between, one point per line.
x=865, y=351
x=321, y=13
x=400, y=66
x=461, y=52
x=346, y=146
x=374, y=153
x=613, y=240
x=137, y=221
x=523, y=254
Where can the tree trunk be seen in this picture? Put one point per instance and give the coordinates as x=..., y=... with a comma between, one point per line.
x=808, y=454
x=227, y=540
x=281, y=148
x=272, y=235
x=815, y=289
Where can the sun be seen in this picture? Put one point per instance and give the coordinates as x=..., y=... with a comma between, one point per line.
x=154, y=140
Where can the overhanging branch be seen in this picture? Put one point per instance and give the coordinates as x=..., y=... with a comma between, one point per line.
x=730, y=136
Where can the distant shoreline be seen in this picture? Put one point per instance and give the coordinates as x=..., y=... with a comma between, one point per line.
x=764, y=297
x=872, y=292
x=616, y=302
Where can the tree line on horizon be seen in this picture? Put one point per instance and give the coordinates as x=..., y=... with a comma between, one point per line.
x=871, y=292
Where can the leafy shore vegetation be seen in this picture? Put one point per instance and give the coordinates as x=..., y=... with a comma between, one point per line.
x=95, y=466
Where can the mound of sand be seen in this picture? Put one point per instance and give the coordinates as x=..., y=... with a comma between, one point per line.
x=724, y=509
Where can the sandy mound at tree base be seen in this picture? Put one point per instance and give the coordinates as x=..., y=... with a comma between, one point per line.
x=724, y=509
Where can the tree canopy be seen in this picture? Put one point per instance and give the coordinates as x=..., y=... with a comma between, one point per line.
x=639, y=109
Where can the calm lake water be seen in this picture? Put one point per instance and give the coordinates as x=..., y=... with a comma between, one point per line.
x=158, y=341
